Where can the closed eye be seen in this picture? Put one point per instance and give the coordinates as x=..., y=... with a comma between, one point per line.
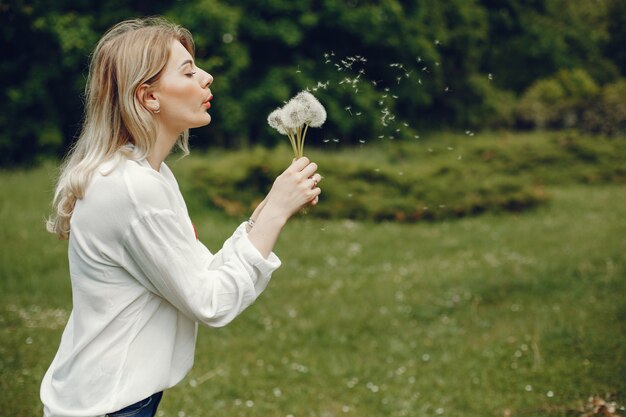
x=191, y=74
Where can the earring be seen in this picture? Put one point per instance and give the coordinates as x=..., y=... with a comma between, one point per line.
x=156, y=110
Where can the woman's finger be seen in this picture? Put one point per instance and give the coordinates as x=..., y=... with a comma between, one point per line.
x=309, y=170
x=299, y=164
x=315, y=179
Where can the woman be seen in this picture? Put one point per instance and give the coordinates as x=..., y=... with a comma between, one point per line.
x=141, y=280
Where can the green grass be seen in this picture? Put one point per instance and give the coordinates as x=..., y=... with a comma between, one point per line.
x=470, y=317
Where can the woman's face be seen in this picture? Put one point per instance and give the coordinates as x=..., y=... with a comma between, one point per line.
x=183, y=92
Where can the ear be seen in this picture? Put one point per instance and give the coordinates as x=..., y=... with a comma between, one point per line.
x=147, y=97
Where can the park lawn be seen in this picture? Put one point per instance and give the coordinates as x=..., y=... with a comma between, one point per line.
x=488, y=316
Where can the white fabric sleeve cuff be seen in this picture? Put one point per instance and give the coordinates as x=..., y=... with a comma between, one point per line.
x=265, y=266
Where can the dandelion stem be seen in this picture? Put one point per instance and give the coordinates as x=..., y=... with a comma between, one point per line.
x=293, y=143
x=299, y=141
x=306, y=127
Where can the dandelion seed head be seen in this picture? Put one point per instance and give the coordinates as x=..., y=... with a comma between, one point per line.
x=275, y=120
x=293, y=114
x=314, y=112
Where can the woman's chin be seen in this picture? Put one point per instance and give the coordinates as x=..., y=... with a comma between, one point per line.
x=203, y=122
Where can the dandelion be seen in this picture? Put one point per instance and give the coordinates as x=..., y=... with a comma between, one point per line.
x=295, y=117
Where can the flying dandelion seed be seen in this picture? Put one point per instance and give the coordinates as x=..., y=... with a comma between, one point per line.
x=490, y=76
x=353, y=68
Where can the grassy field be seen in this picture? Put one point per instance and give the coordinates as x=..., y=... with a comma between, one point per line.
x=497, y=315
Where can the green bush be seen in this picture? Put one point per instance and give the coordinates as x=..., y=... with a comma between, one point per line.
x=442, y=178
x=607, y=114
x=557, y=101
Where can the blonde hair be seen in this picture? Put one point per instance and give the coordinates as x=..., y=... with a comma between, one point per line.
x=130, y=54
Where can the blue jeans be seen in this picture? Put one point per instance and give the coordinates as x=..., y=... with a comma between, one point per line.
x=144, y=408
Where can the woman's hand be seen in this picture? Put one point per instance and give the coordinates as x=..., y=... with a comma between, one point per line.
x=295, y=188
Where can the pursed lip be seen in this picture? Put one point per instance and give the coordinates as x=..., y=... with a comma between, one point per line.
x=208, y=100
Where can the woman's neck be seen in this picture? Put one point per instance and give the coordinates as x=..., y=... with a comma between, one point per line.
x=162, y=148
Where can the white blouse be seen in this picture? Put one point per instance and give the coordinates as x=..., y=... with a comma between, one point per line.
x=141, y=281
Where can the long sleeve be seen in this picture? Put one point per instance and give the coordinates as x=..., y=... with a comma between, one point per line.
x=210, y=289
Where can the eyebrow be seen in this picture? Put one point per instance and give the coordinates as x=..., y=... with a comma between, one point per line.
x=189, y=61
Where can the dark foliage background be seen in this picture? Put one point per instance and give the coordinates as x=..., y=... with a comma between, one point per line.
x=463, y=64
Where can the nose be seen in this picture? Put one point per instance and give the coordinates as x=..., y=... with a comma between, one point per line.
x=208, y=81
